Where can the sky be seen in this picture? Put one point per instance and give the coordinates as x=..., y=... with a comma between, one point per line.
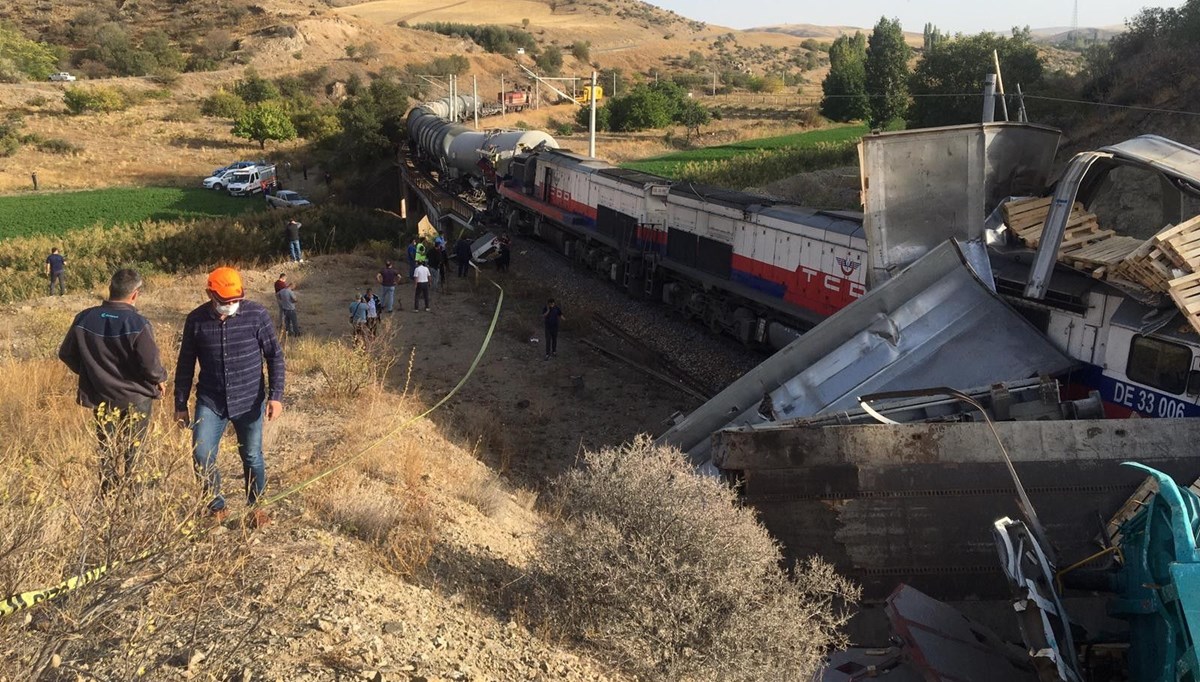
x=967, y=16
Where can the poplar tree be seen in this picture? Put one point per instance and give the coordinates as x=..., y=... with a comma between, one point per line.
x=845, y=87
x=887, y=72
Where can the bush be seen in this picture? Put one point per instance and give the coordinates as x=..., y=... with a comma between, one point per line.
x=550, y=60
x=664, y=572
x=80, y=100
x=222, y=104
x=56, y=145
x=582, y=50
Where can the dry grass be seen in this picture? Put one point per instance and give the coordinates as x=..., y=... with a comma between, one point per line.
x=54, y=524
x=486, y=492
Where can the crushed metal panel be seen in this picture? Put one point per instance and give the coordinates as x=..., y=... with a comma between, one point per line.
x=946, y=645
x=859, y=663
x=1166, y=156
x=922, y=187
x=934, y=324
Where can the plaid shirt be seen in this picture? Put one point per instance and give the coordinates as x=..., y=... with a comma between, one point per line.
x=231, y=354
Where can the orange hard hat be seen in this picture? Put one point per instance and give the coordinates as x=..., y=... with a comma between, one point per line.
x=225, y=284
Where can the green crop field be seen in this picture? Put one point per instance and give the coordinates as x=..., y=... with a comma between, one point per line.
x=51, y=213
x=672, y=165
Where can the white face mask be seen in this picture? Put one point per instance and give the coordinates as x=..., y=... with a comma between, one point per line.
x=227, y=309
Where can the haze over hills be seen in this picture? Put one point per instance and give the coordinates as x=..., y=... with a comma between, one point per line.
x=1053, y=34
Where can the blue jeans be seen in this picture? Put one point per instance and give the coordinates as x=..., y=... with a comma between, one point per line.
x=291, y=321
x=206, y=438
x=389, y=298
x=294, y=245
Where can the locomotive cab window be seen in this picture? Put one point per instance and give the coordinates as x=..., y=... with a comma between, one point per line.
x=1160, y=364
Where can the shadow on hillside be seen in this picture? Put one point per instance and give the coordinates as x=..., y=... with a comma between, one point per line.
x=199, y=141
x=489, y=584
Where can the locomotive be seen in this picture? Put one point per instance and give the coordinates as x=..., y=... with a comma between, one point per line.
x=765, y=271
x=759, y=270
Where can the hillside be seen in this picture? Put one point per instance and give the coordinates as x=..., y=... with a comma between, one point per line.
x=828, y=33
x=165, y=139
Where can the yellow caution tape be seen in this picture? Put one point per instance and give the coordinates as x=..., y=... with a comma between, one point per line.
x=26, y=600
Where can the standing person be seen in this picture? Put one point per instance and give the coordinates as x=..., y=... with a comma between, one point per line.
x=388, y=277
x=433, y=259
x=328, y=179
x=287, y=309
x=372, y=311
x=421, y=279
x=422, y=254
x=412, y=257
x=505, y=254
x=281, y=282
x=462, y=252
x=552, y=315
x=112, y=349
x=293, y=236
x=56, y=265
x=358, y=318
x=231, y=338
x=442, y=264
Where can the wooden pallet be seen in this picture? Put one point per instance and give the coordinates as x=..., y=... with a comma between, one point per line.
x=1185, y=291
x=1102, y=256
x=1181, y=244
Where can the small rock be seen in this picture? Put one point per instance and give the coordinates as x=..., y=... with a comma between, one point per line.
x=393, y=627
x=55, y=661
x=323, y=625
x=440, y=642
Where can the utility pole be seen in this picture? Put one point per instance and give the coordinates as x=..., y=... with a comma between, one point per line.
x=502, y=94
x=614, y=90
x=714, y=89
x=592, y=119
x=475, y=99
x=453, y=100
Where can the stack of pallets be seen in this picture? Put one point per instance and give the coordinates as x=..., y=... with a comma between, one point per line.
x=1147, y=266
x=1084, y=245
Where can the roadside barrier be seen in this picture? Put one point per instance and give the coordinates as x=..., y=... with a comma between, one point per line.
x=26, y=600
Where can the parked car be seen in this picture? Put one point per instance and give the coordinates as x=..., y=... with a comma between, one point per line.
x=286, y=198
x=220, y=178
x=245, y=181
x=62, y=76
x=239, y=164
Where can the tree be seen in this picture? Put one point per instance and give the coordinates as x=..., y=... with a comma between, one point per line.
x=692, y=115
x=958, y=66
x=582, y=50
x=933, y=36
x=845, y=87
x=264, y=121
x=550, y=60
x=887, y=72
x=20, y=56
x=254, y=89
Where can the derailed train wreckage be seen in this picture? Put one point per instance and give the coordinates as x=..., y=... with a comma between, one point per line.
x=933, y=290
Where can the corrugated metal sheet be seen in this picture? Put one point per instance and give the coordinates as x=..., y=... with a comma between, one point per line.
x=934, y=324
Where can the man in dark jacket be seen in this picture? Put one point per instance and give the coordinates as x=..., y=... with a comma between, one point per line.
x=230, y=338
x=112, y=349
x=292, y=231
x=462, y=253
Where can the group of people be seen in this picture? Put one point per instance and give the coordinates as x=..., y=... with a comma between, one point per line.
x=113, y=350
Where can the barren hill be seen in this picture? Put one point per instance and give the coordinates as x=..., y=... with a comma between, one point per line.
x=827, y=33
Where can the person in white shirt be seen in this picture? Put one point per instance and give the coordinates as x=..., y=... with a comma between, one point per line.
x=421, y=278
x=373, y=308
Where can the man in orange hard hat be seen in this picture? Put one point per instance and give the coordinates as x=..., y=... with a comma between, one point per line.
x=231, y=338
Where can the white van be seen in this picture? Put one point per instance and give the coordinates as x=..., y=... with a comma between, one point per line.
x=247, y=181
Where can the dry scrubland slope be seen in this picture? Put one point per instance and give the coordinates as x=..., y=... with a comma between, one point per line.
x=165, y=141
x=415, y=561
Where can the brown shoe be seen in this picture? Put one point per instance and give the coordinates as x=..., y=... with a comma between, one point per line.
x=257, y=519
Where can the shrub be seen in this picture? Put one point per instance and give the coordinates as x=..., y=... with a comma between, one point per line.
x=56, y=145
x=222, y=104
x=664, y=572
x=103, y=98
x=582, y=50
x=184, y=113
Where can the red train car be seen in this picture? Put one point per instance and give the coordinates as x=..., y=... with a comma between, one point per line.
x=514, y=99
